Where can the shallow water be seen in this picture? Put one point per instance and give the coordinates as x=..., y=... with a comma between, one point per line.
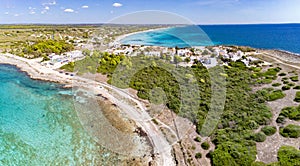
x=39, y=125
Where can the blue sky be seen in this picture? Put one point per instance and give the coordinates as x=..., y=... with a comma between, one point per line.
x=102, y=11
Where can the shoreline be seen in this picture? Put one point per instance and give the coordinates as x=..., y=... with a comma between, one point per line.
x=136, y=112
x=119, y=38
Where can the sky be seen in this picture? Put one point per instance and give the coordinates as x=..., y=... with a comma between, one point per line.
x=195, y=11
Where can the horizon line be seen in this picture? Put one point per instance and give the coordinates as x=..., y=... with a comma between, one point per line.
x=273, y=23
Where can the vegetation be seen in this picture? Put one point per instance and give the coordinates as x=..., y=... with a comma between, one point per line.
x=44, y=48
x=233, y=154
x=291, y=131
x=288, y=156
x=244, y=110
x=294, y=78
x=297, y=98
x=197, y=139
x=286, y=87
x=297, y=87
x=198, y=155
x=276, y=84
x=270, y=94
x=205, y=145
x=292, y=113
x=269, y=130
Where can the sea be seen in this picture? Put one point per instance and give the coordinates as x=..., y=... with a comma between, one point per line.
x=285, y=37
x=39, y=125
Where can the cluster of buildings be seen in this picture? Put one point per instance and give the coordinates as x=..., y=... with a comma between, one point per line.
x=208, y=56
x=57, y=61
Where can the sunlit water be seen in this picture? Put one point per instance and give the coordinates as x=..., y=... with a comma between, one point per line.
x=268, y=36
x=39, y=126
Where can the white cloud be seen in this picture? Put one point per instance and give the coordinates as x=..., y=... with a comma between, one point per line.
x=16, y=15
x=85, y=7
x=117, y=5
x=6, y=13
x=47, y=7
x=49, y=3
x=69, y=10
x=32, y=12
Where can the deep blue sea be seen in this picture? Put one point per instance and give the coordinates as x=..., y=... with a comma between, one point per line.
x=39, y=125
x=269, y=36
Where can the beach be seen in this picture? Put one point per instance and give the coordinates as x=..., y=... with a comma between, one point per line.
x=119, y=38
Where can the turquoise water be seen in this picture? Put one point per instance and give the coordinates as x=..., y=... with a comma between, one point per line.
x=269, y=36
x=39, y=126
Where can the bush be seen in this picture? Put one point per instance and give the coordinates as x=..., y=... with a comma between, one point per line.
x=276, y=84
x=280, y=119
x=270, y=94
x=297, y=98
x=282, y=74
x=297, y=87
x=292, y=113
x=286, y=87
x=294, y=78
x=259, y=137
x=288, y=156
x=233, y=154
x=198, y=155
x=275, y=95
x=197, y=139
x=291, y=84
x=269, y=130
x=205, y=145
x=290, y=131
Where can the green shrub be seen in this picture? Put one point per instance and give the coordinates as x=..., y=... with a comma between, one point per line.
x=233, y=154
x=259, y=137
x=286, y=87
x=297, y=87
x=276, y=84
x=288, y=156
x=198, y=155
x=269, y=130
x=205, y=145
x=294, y=78
x=282, y=74
x=291, y=131
x=275, y=95
x=270, y=94
x=258, y=163
x=197, y=139
x=280, y=119
x=291, y=84
x=297, y=98
x=292, y=113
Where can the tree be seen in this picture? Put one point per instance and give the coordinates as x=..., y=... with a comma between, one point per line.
x=187, y=59
x=177, y=59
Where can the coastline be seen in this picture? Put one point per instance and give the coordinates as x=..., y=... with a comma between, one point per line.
x=137, y=112
x=119, y=38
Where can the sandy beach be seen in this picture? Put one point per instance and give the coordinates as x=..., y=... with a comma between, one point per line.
x=119, y=38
